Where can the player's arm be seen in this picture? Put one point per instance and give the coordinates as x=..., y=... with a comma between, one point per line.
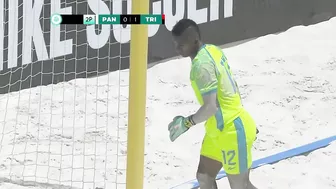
x=207, y=83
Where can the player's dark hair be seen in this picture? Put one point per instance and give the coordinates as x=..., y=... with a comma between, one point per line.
x=184, y=24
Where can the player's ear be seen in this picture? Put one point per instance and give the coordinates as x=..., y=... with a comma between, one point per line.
x=196, y=41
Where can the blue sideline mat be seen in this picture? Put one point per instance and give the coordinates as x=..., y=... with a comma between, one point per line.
x=193, y=184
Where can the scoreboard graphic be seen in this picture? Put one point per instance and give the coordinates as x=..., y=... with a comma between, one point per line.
x=58, y=19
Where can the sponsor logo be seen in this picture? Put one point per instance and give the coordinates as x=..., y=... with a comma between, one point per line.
x=231, y=168
x=33, y=33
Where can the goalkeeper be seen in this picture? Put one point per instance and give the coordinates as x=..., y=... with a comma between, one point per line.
x=230, y=130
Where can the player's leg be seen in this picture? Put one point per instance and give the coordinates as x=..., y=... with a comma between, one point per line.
x=237, y=152
x=241, y=181
x=207, y=172
x=209, y=165
x=250, y=185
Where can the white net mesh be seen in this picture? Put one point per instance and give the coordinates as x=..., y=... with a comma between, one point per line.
x=67, y=134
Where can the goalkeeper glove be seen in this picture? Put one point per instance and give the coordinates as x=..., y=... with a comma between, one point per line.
x=178, y=126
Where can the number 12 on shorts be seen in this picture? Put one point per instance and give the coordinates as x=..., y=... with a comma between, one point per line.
x=228, y=157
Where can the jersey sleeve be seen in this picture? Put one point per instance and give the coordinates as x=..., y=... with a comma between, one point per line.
x=206, y=78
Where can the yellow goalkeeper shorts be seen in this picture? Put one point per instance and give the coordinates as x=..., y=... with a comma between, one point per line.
x=233, y=146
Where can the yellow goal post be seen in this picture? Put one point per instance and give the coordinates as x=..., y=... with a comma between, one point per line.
x=137, y=99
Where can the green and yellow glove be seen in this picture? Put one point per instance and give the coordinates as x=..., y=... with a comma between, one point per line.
x=178, y=126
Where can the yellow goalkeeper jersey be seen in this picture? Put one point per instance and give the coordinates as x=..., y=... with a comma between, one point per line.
x=210, y=72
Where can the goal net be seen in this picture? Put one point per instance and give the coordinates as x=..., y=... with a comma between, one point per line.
x=63, y=116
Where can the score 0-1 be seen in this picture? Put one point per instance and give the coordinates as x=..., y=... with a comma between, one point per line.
x=130, y=19
x=89, y=19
